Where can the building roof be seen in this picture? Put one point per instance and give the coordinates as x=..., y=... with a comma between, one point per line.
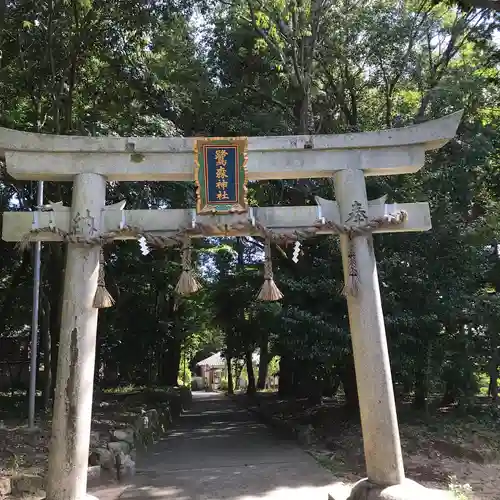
x=218, y=361
x=214, y=361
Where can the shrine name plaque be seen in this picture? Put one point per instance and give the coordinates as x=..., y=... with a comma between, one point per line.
x=221, y=175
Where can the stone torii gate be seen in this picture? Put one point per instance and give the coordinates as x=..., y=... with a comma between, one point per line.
x=89, y=162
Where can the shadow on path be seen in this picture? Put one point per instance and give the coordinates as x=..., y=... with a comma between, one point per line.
x=219, y=451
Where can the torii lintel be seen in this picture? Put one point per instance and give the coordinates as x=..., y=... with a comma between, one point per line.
x=168, y=222
x=31, y=156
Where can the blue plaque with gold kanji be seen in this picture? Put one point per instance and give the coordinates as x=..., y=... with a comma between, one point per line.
x=221, y=175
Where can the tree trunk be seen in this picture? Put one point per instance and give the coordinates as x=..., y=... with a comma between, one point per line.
x=315, y=387
x=13, y=383
x=285, y=387
x=264, y=361
x=303, y=108
x=494, y=374
x=56, y=278
x=298, y=374
x=240, y=249
x=238, y=368
x=449, y=397
x=171, y=362
x=159, y=355
x=251, y=376
x=422, y=377
x=493, y=387
x=230, y=384
x=421, y=392
x=388, y=108
x=347, y=375
x=331, y=385
x=407, y=385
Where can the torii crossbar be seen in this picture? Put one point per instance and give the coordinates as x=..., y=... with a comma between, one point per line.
x=89, y=162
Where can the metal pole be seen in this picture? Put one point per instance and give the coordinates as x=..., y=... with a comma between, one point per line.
x=184, y=374
x=34, y=319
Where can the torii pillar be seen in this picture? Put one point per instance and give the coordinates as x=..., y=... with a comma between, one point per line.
x=90, y=161
x=72, y=414
x=382, y=446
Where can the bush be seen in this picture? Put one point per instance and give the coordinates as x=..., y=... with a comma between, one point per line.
x=186, y=397
x=181, y=375
x=175, y=404
x=197, y=384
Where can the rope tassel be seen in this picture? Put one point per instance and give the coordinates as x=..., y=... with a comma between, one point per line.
x=102, y=298
x=351, y=286
x=269, y=290
x=187, y=283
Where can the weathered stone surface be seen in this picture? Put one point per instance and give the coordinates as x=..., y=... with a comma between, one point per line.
x=93, y=458
x=28, y=484
x=94, y=438
x=142, y=422
x=306, y=435
x=126, y=465
x=119, y=446
x=5, y=486
x=165, y=419
x=144, y=431
x=383, y=152
x=383, y=455
x=75, y=371
x=153, y=418
x=126, y=435
x=94, y=472
x=106, y=458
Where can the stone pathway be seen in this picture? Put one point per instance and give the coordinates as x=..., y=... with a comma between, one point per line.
x=218, y=451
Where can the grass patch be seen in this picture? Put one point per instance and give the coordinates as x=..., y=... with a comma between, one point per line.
x=124, y=389
x=483, y=382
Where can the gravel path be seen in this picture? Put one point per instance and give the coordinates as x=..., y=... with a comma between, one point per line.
x=219, y=451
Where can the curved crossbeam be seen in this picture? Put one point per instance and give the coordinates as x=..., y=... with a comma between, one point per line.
x=385, y=152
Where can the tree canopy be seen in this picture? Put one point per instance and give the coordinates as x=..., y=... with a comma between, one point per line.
x=270, y=67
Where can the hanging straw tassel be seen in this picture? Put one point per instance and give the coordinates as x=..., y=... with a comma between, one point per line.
x=269, y=290
x=351, y=286
x=187, y=283
x=102, y=298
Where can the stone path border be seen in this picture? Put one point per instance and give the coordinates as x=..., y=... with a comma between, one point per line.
x=115, y=452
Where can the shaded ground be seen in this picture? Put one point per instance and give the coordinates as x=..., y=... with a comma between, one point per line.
x=219, y=451
x=20, y=450
x=436, y=448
